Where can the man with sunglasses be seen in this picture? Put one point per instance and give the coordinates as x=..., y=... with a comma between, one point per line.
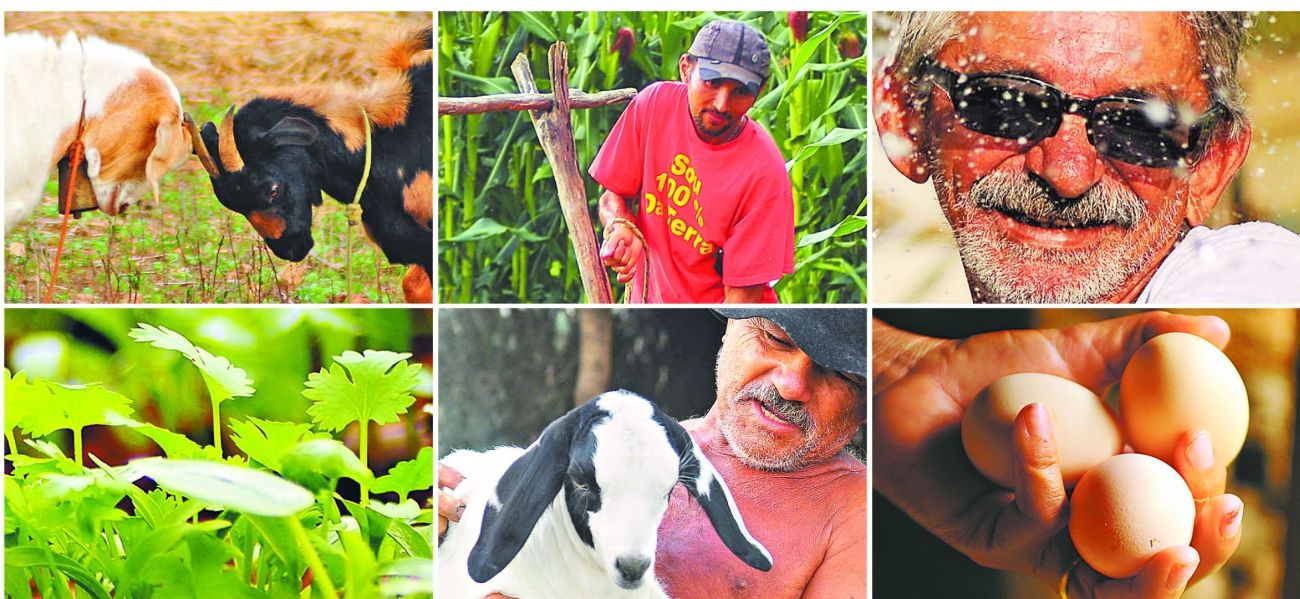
x=1077, y=155
x=697, y=204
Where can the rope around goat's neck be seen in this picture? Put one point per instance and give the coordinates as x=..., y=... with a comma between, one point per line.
x=353, y=210
x=76, y=153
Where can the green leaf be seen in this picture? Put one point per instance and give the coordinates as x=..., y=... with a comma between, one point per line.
x=277, y=534
x=836, y=137
x=362, y=568
x=74, y=407
x=175, y=445
x=810, y=46
x=231, y=487
x=374, y=386
x=407, y=476
x=318, y=463
x=848, y=226
x=407, y=577
x=535, y=26
x=481, y=229
x=265, y=441
x=485, y=228
x=36, y=557
x=21, y=398
x=223, y=379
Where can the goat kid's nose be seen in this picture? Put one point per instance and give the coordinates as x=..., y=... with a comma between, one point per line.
x=632, y=568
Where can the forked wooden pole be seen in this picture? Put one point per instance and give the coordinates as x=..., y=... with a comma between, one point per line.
x=556, y=135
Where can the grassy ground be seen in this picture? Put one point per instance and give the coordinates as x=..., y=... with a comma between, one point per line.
x=189, y=248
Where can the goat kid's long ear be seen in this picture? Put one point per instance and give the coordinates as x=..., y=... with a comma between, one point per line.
x=702, y=481
x=523, y=493
x=293, y=131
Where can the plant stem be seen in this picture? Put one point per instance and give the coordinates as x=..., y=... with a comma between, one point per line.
x=216, y=428
x=364, y=446
x=76, y=446
x=313, y=559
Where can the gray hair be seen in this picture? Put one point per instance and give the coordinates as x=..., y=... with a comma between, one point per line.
x=1221, y=37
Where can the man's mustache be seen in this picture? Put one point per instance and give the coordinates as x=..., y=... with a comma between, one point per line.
x=793, y=412
x=1018, y=193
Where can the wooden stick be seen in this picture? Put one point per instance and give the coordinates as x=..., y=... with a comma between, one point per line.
x=503, y=102
x=556, y=135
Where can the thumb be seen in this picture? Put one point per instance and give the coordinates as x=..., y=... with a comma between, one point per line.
x=1040, y=491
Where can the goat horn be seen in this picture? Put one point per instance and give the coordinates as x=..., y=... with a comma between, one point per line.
x=200, y=149
x=230, y=158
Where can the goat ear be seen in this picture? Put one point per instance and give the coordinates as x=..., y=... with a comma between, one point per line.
x=702, y=481
x=523, y=493
x=293, y=131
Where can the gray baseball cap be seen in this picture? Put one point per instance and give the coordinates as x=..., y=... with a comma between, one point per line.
x=835, y=338
x=732, y=50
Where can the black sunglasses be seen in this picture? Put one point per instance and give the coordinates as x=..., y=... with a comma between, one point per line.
x=1133, y=130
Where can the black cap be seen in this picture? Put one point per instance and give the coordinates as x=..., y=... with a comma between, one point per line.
x=835, y=338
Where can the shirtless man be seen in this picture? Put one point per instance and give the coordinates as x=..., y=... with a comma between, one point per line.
x=791, y=394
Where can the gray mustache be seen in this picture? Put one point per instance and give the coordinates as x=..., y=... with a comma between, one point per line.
x=1105, y=203
x=792, y=411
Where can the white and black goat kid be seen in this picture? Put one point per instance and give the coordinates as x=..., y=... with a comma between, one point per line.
x=577, y=513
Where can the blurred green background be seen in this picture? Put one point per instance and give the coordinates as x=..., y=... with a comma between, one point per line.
x=502, y=236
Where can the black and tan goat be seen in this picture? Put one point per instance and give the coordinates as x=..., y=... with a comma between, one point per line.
x=271, y=159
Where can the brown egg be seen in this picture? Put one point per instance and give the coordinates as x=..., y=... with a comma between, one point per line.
x=1085, y=429
x=1126, y=510
x=1176, y=383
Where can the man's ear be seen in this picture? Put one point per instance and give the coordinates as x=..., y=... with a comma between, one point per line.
x=900, y=123
x=1211, y=174
x=684, y=66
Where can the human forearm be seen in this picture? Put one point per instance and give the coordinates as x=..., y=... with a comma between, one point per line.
x=752, y=294
x=611, y=206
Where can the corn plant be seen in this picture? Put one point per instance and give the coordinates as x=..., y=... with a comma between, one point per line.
x=190, y=523
x=503, y=237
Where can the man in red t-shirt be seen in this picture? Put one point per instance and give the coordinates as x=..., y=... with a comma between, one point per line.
x=714, y=212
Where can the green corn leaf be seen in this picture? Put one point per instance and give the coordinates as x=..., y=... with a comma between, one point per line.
x=240, y=489
x=74, y=407
x=407, y=476
x=374, y=386
x=848, y=226
x=534, y=24
x=808, y=49
x=266, y=441
x=836, y=137
x=223, y=379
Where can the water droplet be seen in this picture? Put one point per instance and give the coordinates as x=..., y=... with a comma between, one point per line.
x=896, y=146
x=1157, y=112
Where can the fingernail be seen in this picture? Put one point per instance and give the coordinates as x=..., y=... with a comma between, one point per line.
x=1231, y=525
x=1179, y=576
x=1039, y=422
x=1200, y=452
x=460, y=510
